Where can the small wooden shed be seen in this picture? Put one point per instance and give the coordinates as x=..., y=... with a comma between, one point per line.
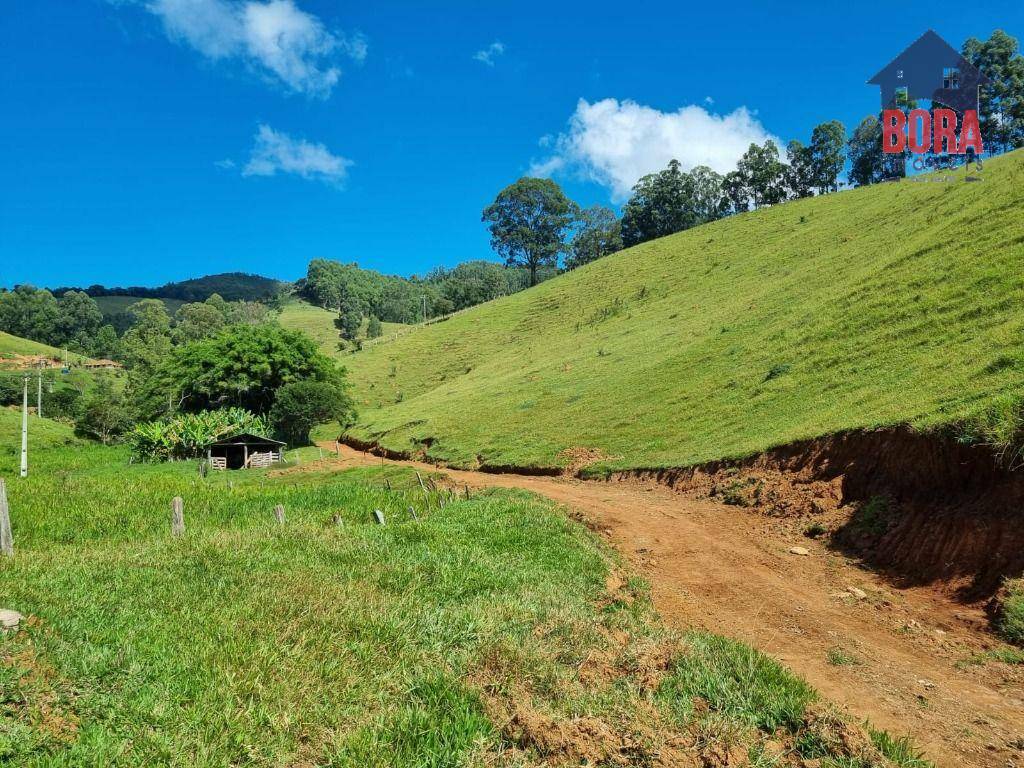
x=244, y=451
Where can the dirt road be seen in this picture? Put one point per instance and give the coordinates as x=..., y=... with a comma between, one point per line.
x=896, y=657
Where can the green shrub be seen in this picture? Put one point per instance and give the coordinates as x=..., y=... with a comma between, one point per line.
x=815, y=530
x=1011, y=614
x=10, y=390
x=374, y=329
x=62, y=403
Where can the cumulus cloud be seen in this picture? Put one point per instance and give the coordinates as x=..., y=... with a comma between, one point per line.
x=275, y=152
x=490, y=53
x=274, y=37
x=615, y=143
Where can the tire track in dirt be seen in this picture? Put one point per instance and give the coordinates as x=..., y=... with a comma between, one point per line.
x=895, y=657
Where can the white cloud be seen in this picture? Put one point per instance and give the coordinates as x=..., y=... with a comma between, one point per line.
x=490, y=53
x=276, y=152
x=274, y=37
x=615, y=143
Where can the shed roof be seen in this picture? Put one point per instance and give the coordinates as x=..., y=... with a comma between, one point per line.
x=246, y=438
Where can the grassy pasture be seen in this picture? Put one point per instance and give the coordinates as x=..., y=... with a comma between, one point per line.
x=416, y=643
x=897, y=303
x=318, y=324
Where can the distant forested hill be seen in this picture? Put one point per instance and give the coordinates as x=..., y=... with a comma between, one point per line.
x=231, y=286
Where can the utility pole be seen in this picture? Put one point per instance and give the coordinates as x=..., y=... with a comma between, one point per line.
x=24, y=429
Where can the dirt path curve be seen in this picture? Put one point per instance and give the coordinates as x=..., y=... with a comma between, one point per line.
x=895, y=657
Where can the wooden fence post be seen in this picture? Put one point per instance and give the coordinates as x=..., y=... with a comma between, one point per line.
x=177, y=516
x=279, y=513
x=6, y=538
x=467, y=492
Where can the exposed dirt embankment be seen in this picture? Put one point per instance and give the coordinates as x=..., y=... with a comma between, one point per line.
x=924, y=508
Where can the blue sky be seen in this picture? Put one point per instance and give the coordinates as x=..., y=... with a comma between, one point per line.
x=143, y=141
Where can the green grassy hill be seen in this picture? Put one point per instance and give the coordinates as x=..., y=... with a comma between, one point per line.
x=898, y=303
x=318, y=323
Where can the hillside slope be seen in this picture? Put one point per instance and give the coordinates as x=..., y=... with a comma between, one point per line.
x=898, y=303
x=15, y=345
x=13, y=348
x=318, y=324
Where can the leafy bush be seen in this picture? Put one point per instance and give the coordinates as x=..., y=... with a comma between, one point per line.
x=1011, y=613
x=10, y=390
x=374, y=328
x=187, y=435
x=62, y=403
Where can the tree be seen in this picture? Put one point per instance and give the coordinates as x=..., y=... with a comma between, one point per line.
x=374, y=328
x=102, y=413
x=598, y=233
x=144, y=348
x=827, y=141
x=661, y=205
x=865, y=152
x=800, y=173
x=474, y=282
x=30, y=313
x=706, y=194
x=301, y=405
x=1001, y=103
x=106, y=344
x=528, y=221
x=79, y=319
x=242, y=366
x=349, y=317
x=735, y=192
x=197, y=321
x=763, y=174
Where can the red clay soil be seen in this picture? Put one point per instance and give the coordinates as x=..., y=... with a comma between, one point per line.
x=882, y=613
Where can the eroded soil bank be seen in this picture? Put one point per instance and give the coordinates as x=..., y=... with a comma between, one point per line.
x=924, y=509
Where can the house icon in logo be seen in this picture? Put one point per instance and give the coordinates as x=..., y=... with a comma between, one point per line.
x=930, y=69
